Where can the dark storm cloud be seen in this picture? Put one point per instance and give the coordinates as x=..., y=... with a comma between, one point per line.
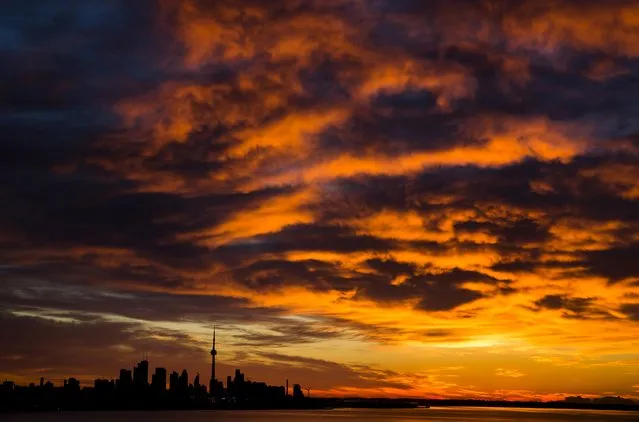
x=532, y=263
x=515, y=232
x=444, y=291
x=467, y=186
x=95, y=213
x=83, y=53
x=54, y=211
x=573, y=307
x=550, y=91
x=361, y=196
x=396, y=123
x=588, y=82
x=576, y=305
x=303, y=237
x=616, y=263
x=276, y=273
x=444, y=297
x=457, y=276
x=632, y=310
x=572, y=192
x=390, y=267
x=435, y=292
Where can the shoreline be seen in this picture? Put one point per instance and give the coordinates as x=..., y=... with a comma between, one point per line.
x=337, y=404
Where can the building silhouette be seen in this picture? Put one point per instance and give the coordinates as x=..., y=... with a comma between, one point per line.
x=184, y=381
x=141, y=374
x=125, y=381
x=104, y=386
x=71, y=386
x=174, y=382
x=158, y=380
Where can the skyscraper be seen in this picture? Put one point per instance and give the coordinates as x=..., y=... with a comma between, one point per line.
x=174, y=382
x=125, y=382
x=213, y=382
x=184, y=381
x=141, y=374
x=159, y=379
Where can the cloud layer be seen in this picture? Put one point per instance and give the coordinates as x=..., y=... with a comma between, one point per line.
x=431, y=183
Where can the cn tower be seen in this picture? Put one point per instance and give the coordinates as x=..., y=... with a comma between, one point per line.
x=213, y=382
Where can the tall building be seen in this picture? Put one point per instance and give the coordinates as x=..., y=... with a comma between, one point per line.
x=71, y=385
x=103, y=387
x=184, y=381
x=174, y=382
x=141, y=374
x=239, y=377
x=196, y=381
x=229, y=385
x=213, y=382
x=158, y=380
x=125, y=382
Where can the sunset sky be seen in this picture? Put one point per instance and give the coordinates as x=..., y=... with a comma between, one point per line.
x=367, y=197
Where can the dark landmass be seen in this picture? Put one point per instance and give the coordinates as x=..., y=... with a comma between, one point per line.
x=107, y=396
x=103, y=396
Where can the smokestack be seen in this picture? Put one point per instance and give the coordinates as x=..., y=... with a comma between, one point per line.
x=287, y=388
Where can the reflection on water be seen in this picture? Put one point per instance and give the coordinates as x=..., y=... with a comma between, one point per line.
x=458, y=414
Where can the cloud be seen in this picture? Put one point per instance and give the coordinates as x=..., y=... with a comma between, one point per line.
x=615, y=263
x=572, y=307
x=510, y=373
x=290, y=332
x=92, y=301
x=340, y=181
x=631, y=310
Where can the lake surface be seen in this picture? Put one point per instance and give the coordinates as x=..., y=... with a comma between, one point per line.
x=451, y=414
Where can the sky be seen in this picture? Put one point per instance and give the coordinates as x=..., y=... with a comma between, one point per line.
x=370, y=198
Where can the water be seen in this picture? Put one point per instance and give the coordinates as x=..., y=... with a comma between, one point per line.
x=458, y=414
